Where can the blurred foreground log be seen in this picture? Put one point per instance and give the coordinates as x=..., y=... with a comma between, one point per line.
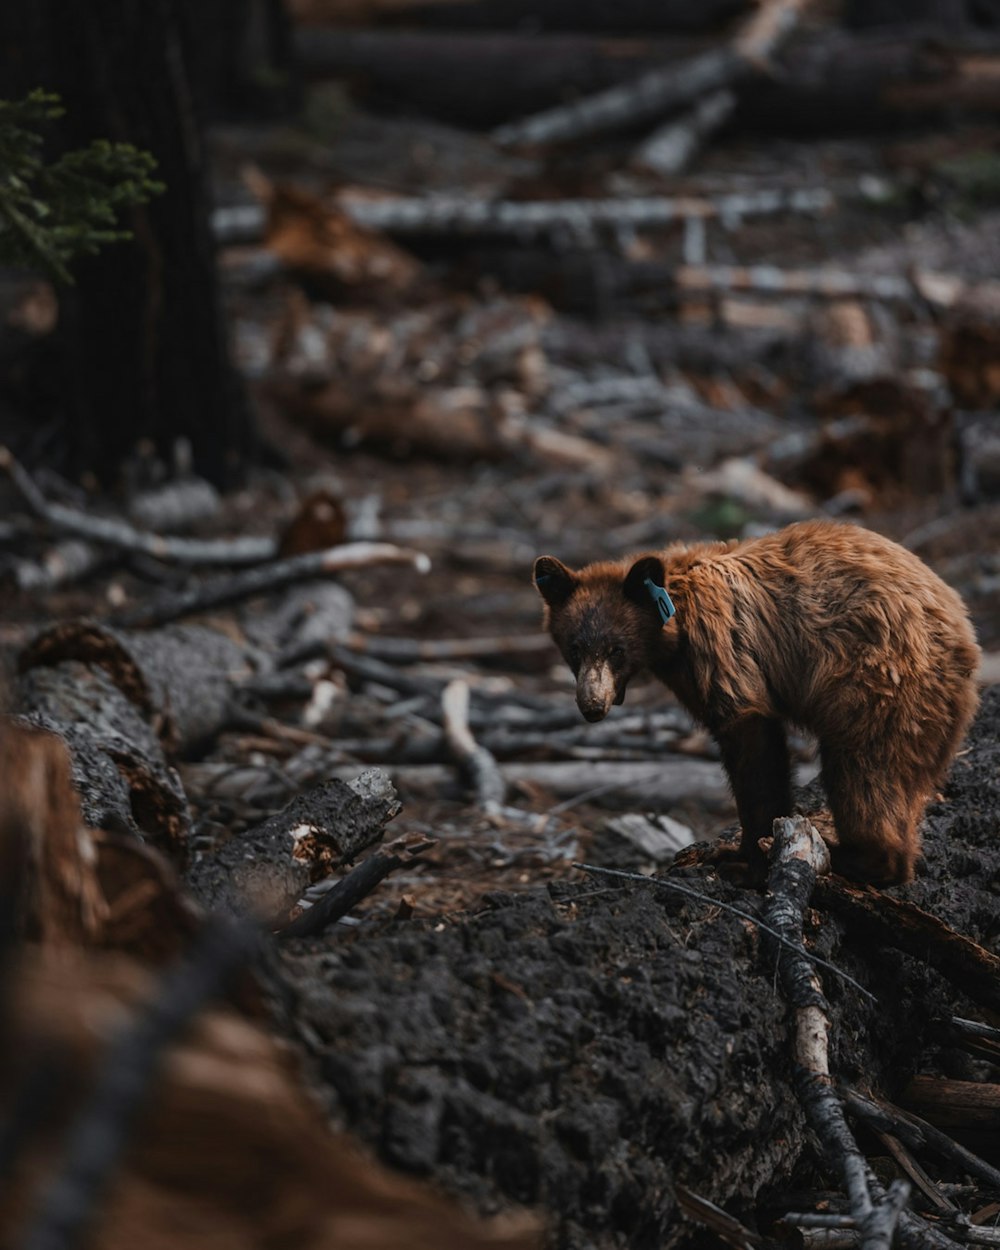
x=224, y=1098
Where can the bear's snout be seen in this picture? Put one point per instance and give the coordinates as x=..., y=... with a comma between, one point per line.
x=596, y=690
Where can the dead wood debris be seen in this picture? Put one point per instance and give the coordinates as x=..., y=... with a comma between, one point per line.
x=266, y=870
x=581, y=221
x=264, y=579
x=656, y=93
x=212, y=1081
x=798, y=856
x=346, y=893
x=117, y=533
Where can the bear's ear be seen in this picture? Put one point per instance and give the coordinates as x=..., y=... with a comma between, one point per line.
x=555, y=582
x=646, y=568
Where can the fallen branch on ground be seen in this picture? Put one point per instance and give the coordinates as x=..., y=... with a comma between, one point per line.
x=658, y=92
x=264, y=580
x=358, y=883
x=917, y=1134
x=671, y=148
x=118, y=533
x=797, y=857
x=475, y=762
x=266, y=870
x=938, y=289
x=466, y=215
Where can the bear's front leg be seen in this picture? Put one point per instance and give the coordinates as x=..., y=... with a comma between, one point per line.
x=755, y=756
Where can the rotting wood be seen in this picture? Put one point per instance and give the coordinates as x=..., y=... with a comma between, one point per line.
x=180, y=679
x=915, y=1172
x=358, y=884
x=266, y=870
x=654, y=94
x=728, y=1229
x=265, y=579
x=117, y=761
x=977, y=1038
x=798, y=856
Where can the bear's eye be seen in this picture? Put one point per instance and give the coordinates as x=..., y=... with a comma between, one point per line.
x=573, y=658
x=616, y=655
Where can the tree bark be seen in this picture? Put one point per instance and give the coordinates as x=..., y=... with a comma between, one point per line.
x=141, y=351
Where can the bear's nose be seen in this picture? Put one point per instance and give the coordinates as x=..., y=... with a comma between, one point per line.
x=595, y=691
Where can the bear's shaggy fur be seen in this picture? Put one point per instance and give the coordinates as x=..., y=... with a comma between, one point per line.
x=826, y=626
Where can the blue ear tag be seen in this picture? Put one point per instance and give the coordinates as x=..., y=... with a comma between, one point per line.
x=661, y=599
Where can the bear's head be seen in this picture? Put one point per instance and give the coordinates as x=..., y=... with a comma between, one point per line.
x=606, y=620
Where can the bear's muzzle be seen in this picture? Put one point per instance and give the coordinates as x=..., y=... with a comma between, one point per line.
x=596, y=690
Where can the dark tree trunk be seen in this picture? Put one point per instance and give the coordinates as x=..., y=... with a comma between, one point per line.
x=141, y=347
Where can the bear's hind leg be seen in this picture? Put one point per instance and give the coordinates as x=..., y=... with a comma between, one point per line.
x=755, y=756
x=876, y=811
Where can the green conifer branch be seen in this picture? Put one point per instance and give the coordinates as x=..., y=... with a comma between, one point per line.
x=53, y=212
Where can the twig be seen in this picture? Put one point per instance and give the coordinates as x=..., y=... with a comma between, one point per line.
x=725, y=1226
x=656, y=93
x=265, y=579
x=114, y=532
x=474, y=760
x=100, y=1133
x=667, y=884
x=797, y=856
x=915, y=1172
x=358, y=883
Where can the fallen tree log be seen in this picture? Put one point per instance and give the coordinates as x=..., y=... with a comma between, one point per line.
x=497, y=15
x=655, y=786
x=266, y=870
x=180, y=679
x=120, y=1094
x=827, y=78
x=584, y=1050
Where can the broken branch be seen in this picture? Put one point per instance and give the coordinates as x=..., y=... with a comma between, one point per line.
x=798, y=856
x=114, y=532
x=358, y=884
x=266, y=579
x=658, y=92
x=476, y=763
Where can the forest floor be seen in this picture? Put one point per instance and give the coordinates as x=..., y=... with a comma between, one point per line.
x=488, y=1017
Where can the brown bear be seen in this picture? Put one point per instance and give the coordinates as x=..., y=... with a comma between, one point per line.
x=822, y=625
